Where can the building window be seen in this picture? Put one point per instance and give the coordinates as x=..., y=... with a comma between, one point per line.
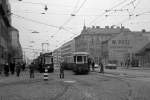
x=119, y=41
x=113, y=41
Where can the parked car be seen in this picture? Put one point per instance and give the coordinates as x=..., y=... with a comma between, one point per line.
x=111, y=66
x=96, y=66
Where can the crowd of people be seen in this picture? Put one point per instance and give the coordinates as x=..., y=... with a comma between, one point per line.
x=12, y=68
x=17, y=68
x=91, y=64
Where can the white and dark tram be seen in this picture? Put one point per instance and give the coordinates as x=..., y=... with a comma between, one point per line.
x=77, y=62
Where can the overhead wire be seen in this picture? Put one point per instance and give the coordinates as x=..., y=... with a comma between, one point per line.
x=76, y=5
x=120, y=3
x=35, y=21
x=73, y=13
x=131, y=16
x=42, y=23
x=70, y=17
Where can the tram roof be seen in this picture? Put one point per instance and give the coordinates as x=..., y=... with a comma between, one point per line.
x=80, y=53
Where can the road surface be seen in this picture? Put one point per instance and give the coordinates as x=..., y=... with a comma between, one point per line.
x=94, y=86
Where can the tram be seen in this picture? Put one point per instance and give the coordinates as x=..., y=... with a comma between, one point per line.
x=77, y=62
x=46, y=61
x=81, y=62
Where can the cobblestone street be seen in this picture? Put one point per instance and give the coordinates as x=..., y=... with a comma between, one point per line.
x=94, y=86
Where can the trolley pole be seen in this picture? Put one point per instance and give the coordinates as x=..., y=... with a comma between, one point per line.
x=46, y=49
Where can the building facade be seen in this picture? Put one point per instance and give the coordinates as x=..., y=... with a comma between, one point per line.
x=91, y=40
x=125, y=45
x=57, y=57
x=67, y=49
x=5, y=38
x=15, y=43
x=110, y=44
x=6, y=30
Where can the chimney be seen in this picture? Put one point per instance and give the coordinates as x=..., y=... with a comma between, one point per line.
x=97, y=27
x=122, y=27
x=112, y=27
x=107, y=27
x=93, y=27
x=143, y=30
x=118, y=27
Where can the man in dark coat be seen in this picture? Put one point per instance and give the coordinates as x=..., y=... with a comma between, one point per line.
x=31, y=70
x=6, y=69
x=23, y=66
x=93, y=66
x=89, y=63
x=12, y=67
x=18, y=69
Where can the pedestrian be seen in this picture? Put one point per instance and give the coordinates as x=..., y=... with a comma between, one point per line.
x=6, y=69
x=23, y=66
x=61, y=70
x=93, y=66
x=121, y=63
x=101, y=67
x=1, y=66
x=18, y=69
x=31, y=70
x=89, y=63
x=12, y=67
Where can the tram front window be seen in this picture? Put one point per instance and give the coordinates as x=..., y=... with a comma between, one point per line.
x=79, y=59
x=47, y=60
x=75, y=59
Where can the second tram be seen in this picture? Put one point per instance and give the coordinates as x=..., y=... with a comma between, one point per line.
x=46, y=61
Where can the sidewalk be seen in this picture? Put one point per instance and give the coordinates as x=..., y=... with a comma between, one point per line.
x=135, y=72
x=23, y=76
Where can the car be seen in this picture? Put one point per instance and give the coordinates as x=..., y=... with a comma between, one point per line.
x=111, y=66
x=96, y=66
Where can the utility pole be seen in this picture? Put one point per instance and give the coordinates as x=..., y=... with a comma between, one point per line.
x=45, y=44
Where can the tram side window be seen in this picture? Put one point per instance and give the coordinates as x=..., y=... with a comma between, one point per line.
x=75, y=59
x=51, y=60
x=85, y=59
x=79, y=58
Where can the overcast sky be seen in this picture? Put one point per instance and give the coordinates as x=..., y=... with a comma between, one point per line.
x=56, y=25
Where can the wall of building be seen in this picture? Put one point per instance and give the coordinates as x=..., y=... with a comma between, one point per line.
x=90, y=40
x=67, y=49
x=125, y=45
x=5, y=39
x=6, y=51
x=15, y=43
x=57, y=57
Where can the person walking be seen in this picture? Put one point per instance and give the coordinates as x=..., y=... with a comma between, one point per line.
x=31, y=70
x=18, y=69
x=101, y=67
x=1, y=69
x=93, y=65
x=12, y=67
x=6, y=69
x=61, y=70
x=89, y=63
x=23, y=66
